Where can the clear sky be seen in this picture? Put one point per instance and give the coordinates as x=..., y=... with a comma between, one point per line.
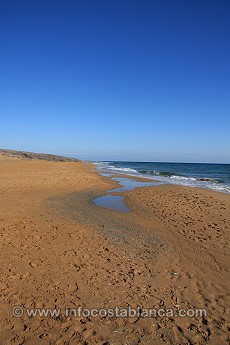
x=142, y=80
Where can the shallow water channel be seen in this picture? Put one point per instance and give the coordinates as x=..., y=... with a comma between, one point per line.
x=115, y=202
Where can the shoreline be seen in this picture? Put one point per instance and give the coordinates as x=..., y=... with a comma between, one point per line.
x=59, y=249
x=217, y=180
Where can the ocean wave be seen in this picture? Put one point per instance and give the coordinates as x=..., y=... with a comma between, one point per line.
x=166, y=173
x=168, y=177
x=158, y=173
x=207, y=179
x=126, y=170
x=179, y=176
x=183, y=178
x=202, y=179
x=196, y=182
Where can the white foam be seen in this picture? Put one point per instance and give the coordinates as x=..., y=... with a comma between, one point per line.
x=193, y=182
x=183, y=178
x=127, y=170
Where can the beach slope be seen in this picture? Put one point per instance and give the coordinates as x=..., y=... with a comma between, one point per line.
x=59, y=250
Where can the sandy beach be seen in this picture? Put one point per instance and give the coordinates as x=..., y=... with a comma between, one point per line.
x=59, y=250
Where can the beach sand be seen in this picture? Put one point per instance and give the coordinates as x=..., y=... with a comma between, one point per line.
x=59, y=250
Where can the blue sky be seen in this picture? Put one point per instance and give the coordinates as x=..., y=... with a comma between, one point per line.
x=116, y=80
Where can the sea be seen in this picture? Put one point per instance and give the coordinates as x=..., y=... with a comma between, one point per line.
x=202, y=175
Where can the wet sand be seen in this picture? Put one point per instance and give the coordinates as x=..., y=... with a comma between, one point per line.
x=59, y=250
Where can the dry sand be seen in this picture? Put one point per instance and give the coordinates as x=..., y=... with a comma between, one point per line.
x=60, y=250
